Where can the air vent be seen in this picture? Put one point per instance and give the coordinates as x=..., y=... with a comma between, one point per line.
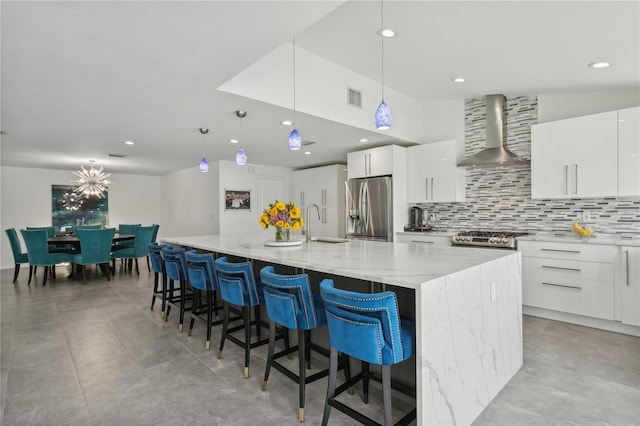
x=308, y=142
x=117, y=155
x=354, y=97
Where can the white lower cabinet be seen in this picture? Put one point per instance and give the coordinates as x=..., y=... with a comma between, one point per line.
x=572, y=278
x=436, y=240
x=630, y=285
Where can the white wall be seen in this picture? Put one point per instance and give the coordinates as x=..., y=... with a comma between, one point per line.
x=558, y=106
x=190, y=202
x=232, y=176
x=26, y=200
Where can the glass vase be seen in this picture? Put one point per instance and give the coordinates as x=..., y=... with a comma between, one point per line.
x=282, y=234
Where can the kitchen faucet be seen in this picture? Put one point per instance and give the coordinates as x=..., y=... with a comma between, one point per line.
x=308, y=222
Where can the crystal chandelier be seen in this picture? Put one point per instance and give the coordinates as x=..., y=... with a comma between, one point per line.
x=92, y=182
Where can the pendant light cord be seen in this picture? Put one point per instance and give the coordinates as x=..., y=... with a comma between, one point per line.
x=294, y=82
x=382, y=44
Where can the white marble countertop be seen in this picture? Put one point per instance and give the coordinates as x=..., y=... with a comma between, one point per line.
x=569, y=237
x=429, y=233
x=403, y=265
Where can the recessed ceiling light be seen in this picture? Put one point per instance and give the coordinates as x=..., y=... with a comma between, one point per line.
x=386, y=32
x=129, y=143
x=363, y=140
x=307, y=153
x=458, y=80
x=599, y=65
x=286, y=122
x=233, y=140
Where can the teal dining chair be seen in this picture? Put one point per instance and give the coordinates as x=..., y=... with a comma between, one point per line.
x=54, y=248
x=143, y=235
x=38, y=252
x=95, y=248
x=18, y=256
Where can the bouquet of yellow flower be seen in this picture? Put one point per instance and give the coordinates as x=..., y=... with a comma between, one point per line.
x=284, y=216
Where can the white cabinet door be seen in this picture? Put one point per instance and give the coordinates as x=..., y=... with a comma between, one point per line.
x=303, y=187
x=631, y=285
x=433, y=174
x=370, y=162
x=576, y=157
x=629, y=152
x=357, y=163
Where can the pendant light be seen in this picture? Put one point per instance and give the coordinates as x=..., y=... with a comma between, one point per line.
x=383, y=117
x=295, y=140
x=204, y=164
x=241, y=155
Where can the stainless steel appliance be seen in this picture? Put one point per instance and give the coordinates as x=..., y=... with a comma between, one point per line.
x=497, y=239
x=418, y=220
x=369, y=210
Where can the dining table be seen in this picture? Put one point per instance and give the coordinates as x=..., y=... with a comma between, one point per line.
x=74, y=241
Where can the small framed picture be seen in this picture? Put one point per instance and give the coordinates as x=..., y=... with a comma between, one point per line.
x=237, y=200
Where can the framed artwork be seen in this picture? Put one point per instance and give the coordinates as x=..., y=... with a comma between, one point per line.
x=237, y=200
x=70, y=209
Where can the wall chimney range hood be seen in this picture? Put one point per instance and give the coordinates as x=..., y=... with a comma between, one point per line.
x=494, y=152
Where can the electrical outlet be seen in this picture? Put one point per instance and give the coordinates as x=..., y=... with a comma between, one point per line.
x=493, y=292
x=586, y=216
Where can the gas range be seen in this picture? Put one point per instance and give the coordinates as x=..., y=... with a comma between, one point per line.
x=491, y=239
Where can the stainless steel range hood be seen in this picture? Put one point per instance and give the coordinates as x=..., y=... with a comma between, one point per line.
x=494, y=151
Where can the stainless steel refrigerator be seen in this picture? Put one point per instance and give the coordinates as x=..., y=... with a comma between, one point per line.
x=369, y=210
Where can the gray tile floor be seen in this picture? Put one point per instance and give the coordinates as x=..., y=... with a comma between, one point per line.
x=94, y=354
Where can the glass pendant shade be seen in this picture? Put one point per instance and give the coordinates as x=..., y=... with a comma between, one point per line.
x=241, y=157
x=383, y=117
x=204, y=165
x=295, y=140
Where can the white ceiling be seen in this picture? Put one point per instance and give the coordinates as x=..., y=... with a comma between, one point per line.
x=80, y=78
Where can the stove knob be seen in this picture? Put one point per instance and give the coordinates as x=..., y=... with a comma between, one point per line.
x=505, y=240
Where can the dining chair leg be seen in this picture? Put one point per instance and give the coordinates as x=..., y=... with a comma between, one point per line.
x=137, y=270
x=53, y=271
x=303, y=340
x=148, y=265
x=183, y=300
x=46, y=275
x=107, y=266
x=246, y=311
x=84, y=274
x=30, y=274
x=113, y=266
x=331, y=387
x=16, y=272
x=272, y=347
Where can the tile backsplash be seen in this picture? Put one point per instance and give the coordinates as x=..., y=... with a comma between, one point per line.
x=499, y=197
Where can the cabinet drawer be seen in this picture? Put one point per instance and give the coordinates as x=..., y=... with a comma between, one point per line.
x=575, y=296
x=568, y=269
x=573, y=251
x=423, y=239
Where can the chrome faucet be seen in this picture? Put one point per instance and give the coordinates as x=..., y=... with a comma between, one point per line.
x=308, y=222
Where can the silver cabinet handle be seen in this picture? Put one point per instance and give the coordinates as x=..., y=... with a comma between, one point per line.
x=576, y=177
x=566, y=179
x=423, y=242
x=369, y=163
x=324, y=197
x=302, y=198
x=562, y=251
x=432, y=189
x=365, y=164
x=324, y=213
x=559, y=267
x=426, y=187
x=563, y=285
x=626, y=255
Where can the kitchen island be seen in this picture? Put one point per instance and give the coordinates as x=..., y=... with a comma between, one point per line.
x=468, y=305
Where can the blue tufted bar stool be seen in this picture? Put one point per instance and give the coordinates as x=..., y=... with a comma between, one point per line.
x=202, y=276
x=368, y=327
x=239, y=287
x=175, y=266
x=291, y=304
x=157, y=264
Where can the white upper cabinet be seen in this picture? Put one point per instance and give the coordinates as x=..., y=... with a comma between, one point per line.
x=433, y=175
x=575, y=158
x=371, y=162
x=629, y=152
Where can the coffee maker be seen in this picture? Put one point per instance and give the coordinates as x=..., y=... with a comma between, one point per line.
x=417, y=219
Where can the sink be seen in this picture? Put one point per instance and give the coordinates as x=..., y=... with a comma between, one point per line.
x=330, y=240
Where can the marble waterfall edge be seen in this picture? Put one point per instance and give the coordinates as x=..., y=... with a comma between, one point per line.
x=471, y=345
